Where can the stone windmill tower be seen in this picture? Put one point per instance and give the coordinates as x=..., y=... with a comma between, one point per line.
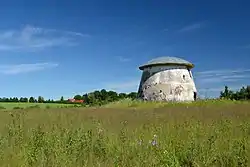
x=167, y=79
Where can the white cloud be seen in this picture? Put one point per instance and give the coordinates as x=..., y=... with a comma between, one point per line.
x=215, y=91
x=191, y=27
x=222, y=76
x=126, y=86
x=222, y=71
x=225, y=78
x=25, y=68
x=211, y=82
x=218, y=89
x=123, y=59
x=30, y=38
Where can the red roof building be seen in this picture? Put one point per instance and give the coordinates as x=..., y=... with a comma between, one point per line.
x=75, y=101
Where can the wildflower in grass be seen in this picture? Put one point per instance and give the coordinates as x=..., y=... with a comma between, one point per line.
x=153, y=142
x=140, y=142
x=124, y=123
x=100, y=131
x=165, y=152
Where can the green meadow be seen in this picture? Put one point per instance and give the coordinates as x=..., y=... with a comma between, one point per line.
x=19, y=105
x=128, y=134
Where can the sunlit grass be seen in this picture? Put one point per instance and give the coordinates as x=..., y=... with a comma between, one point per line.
x=20, y=105
x=128, y=133
x=127, y=103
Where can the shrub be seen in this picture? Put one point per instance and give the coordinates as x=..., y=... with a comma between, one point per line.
x=18, y=108
x=47, y=107
x=31, y=107
x=2, y=108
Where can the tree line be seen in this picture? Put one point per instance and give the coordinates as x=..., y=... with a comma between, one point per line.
x=242, y=94
x=40, y=99
x=103, y=97
x=98, y=97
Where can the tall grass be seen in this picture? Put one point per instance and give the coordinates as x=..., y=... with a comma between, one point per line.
x=189, y=135
x=20, y=105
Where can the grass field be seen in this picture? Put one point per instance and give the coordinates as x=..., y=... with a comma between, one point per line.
x=11, y=105
x=201, y=134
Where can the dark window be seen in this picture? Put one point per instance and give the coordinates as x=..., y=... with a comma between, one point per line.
x=195, y=94
x=189, y=73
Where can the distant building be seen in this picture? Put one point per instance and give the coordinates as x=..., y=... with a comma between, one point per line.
x=167, y=79
x=75, y=101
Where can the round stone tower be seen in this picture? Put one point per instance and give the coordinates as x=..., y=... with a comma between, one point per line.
x=167, y=79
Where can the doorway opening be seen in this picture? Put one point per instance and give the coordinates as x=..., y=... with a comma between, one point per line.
x=195, y=96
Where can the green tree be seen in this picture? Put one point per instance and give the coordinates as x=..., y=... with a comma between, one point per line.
x=122, y=95
x=112, y=96
x=85, y=98
x=11, y=99
x=15, y=99
x=5, y=99
x=248, y=92
x=21, y=99
x=97, y=95
x=31, y=99
x=104, y=95
x=48, y=101
x=40, y=99
x=25, y=99
x=132, y=95
x=91, y=98
x=225, y=94
x=242, y=94
x=78, y=97
x=230, y=95
x=62, y=99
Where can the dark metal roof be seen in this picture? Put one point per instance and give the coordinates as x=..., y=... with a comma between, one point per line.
x=167, y=61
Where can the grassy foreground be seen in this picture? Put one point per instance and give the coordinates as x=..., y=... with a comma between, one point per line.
x=199, y=134
x=12, y=105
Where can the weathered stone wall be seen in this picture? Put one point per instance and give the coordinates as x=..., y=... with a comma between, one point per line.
x=167, y=83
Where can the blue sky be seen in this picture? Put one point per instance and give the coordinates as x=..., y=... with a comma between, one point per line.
x=55, y=48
